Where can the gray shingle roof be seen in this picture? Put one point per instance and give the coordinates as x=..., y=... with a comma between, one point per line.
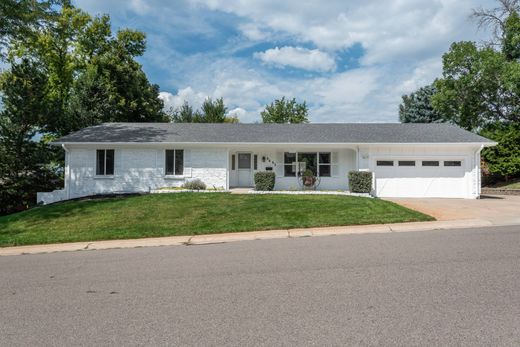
x=273, y=133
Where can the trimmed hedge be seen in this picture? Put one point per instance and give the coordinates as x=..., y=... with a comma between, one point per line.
x=264, y=180
x=360, y=181
x=195, y=184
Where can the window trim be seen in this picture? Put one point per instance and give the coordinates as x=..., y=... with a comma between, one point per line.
x=104, y=174
x=173, y=175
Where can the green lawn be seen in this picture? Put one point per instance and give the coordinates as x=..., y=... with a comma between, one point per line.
x=507, y=185
x=191, y=214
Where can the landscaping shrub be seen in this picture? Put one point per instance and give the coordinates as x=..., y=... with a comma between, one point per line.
x=195, y=184
x=360, y=181
x=264, y=180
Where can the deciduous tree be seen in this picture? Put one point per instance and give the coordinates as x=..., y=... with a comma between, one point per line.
x=285, y=111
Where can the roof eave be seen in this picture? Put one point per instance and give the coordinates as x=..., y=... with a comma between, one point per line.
x=481, y=143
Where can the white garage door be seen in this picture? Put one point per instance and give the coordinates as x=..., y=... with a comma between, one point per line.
x=420, y=178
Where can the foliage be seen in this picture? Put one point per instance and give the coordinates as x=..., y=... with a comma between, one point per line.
x=195, y=184
x=265, y=180
x=26, y=166
x=360, y=181
x=511, y=46
x=157, y=215
x=184, y=114
x=308, y=173
x=285, y=111
x=212, y=111
x=92, y=75
x=20, y=18
x=503, y=159
x=417, y=108
x=479, y=87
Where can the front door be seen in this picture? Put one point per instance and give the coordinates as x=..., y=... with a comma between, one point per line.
x=244, y=170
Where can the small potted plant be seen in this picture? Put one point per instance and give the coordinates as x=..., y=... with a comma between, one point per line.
x=308, y=179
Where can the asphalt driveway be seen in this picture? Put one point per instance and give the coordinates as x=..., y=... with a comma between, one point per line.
x=496, y=209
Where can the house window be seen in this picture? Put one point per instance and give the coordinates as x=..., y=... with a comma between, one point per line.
x=319, y=163
x=452, y=163
x=406, y=163
x=255, y=162
x=430, y=163
x=325, y=162
x=105, y=162
x=174, y=162
x=385, y=163
x=309, y=161
x=289, y=164
x=232, y=162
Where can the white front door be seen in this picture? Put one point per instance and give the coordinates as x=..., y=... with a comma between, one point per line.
x=244, y=170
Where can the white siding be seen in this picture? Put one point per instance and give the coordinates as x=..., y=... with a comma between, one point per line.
x=142, y=169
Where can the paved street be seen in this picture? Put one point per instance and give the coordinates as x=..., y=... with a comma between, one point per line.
x=458, y=287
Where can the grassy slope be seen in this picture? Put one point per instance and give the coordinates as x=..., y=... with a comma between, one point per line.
x=509, y=185
x=190, y=214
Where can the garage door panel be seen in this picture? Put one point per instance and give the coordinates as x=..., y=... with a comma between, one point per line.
x=419, y=181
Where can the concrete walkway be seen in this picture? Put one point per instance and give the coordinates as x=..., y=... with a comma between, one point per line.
x=244, y=236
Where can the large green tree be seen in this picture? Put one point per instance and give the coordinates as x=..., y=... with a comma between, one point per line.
x=26, y=164
x=417, y=108
x=480, y=84
x=83, y=59
x=67, y=70
x=285, y=111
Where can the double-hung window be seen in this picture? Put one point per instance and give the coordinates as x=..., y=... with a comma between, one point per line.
x=174, y=162
x=325, y=162
x=104, y=162
x=289, y=164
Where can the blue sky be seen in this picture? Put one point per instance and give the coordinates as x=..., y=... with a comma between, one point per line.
x=349, y=60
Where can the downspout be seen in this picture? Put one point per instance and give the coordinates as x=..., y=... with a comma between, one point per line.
x=67, y=171
x=479, y=173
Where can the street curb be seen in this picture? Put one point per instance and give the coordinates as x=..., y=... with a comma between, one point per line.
x=246, y=236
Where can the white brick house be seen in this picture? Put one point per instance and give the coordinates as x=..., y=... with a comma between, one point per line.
x=408, y=160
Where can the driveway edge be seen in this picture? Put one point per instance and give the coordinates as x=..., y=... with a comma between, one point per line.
x=246, y=236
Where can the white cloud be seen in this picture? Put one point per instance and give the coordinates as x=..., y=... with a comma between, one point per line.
x=253, y=32
x=195, y=99
x=302, y=58
x=238, y=112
